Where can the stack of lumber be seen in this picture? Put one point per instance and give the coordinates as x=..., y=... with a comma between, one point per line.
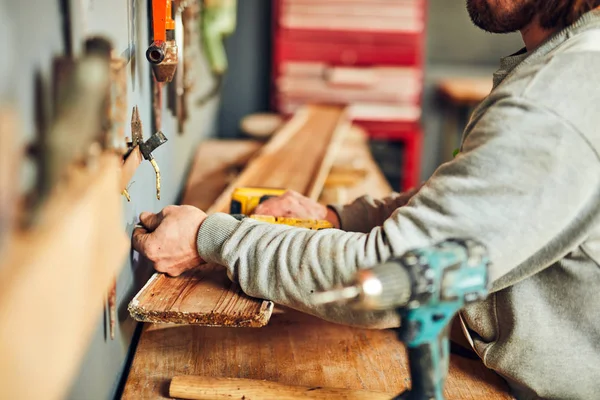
x=298, y=157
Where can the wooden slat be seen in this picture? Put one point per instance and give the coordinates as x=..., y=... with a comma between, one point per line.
x=298, y=157
x=53, y=279
x=294, y=349
x=182, y=300
x=355, y=154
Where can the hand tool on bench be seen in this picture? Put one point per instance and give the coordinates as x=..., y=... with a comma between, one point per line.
x=146, y=148
x=162, y=53
x=218, y=21
x=245, y=200
x=427, y=287
x=209, y=388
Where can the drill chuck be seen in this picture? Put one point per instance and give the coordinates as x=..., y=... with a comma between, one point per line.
x=383, y=288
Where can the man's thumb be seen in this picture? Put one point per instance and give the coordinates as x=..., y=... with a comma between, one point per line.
x=150, y=221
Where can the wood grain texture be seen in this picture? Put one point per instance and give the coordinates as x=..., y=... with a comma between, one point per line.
x=354, y=154
x=294, y=349
x=130, y=165
x=204, y=296
x=209, y=388
x=53, y=279
x=298, y=157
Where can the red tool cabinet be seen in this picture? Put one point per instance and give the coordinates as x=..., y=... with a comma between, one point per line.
x=367, y=54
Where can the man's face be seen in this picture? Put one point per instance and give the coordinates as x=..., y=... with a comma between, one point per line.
x=501, y=16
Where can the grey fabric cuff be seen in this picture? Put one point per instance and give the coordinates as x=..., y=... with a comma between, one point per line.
x=213, y=233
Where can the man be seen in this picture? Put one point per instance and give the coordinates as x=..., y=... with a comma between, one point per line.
x=526, y=184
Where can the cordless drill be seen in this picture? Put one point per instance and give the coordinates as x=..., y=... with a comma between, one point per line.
x=427, y=287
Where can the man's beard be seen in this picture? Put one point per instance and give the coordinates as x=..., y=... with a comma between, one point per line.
x=502, y=16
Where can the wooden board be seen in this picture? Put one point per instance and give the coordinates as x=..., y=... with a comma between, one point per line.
x=298, y=157
x=182, y=300
x=354, y=153
x=53, y=279
x=294, y=349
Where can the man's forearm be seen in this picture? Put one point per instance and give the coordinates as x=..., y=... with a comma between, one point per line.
x=365, y=213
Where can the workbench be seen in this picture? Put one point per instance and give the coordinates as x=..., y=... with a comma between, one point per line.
x=295, y=348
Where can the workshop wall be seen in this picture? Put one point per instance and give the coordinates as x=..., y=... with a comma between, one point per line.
x=31, y=35
x=455, y=47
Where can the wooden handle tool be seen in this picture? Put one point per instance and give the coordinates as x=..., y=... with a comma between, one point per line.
x=209, y=388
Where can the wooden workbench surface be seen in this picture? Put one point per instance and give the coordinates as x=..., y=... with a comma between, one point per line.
x=295, y=348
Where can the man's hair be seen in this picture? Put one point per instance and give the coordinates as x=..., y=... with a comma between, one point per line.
x=561, y=13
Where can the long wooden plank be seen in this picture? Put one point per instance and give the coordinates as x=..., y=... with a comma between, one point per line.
x=52, y=281
x=294, y=349
x=298, y=157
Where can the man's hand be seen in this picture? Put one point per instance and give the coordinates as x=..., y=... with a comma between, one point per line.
x=293, y=204
x=168, y=238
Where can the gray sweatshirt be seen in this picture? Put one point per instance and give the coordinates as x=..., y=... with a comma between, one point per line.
x=526, y=184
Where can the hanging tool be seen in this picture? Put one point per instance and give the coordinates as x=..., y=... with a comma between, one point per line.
x=209, y=388
x=314, y=224
x=80, y=95
x=147, y=147
x=218, y=21
x=427, y=287
x=162, y=53
x=115, y=119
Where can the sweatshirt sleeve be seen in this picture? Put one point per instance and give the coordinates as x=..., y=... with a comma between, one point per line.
x=365, y=213
x=524, y=175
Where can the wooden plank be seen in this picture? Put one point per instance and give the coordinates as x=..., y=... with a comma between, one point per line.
x=195, y=387
x=294, y=349
x=298, y=157
x=354, y=153
x=53, y=279
x=182, y=300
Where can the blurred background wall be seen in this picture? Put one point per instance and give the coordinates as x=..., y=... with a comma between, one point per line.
x=455, y=47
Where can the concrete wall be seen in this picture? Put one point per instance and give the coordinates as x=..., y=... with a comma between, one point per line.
x=35, y=37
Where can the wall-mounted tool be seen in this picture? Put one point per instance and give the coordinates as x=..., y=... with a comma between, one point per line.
x=80, y=95
x=162, y=53
x=218, y=21
x=427, y=287
x=147, y=147
x=115, y=119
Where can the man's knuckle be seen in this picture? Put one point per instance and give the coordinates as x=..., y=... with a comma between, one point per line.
x=169, y=209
